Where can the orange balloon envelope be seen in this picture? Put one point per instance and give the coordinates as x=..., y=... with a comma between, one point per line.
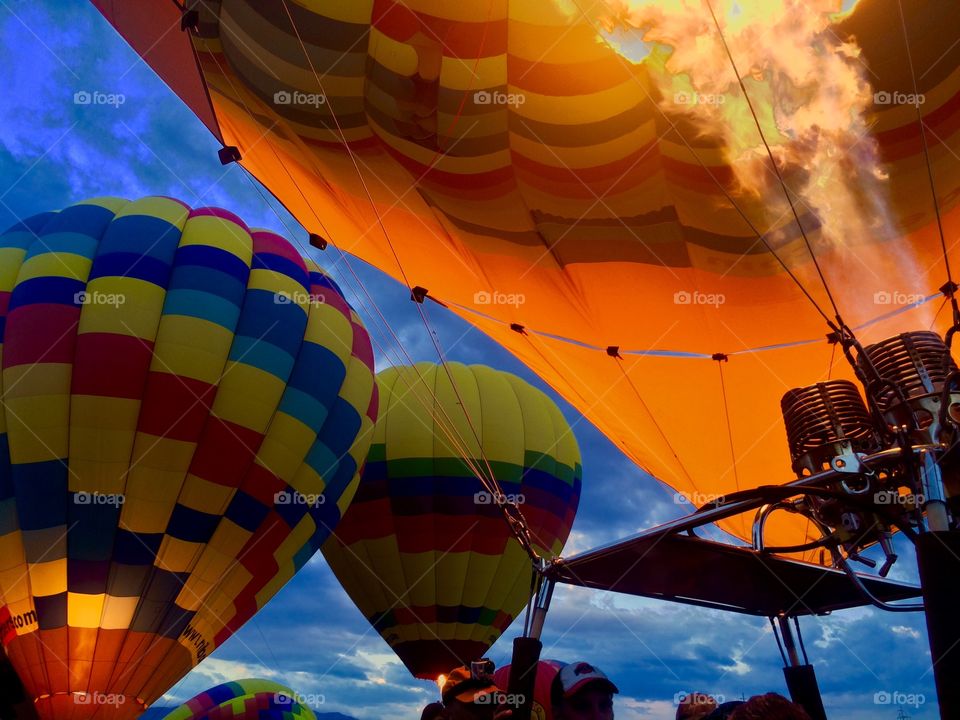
x=510, y=158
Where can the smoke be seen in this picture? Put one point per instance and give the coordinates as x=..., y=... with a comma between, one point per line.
x=811, y=94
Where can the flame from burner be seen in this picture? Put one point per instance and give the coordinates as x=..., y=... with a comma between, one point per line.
x=811, y=93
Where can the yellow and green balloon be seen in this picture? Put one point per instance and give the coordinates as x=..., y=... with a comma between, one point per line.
x=424, y=550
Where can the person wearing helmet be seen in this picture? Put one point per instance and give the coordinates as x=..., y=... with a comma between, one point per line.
x=471, y=694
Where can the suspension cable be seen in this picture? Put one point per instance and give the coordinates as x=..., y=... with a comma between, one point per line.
x=451, y=433
x=490, y=484
x=729, y=197
x=721, y=359
x=923, y=141
x=776, y=167
x=512, y=513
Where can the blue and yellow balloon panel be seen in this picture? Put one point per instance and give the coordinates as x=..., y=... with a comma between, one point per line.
x=186, y=405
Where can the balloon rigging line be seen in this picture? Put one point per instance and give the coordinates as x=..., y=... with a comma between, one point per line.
x=491, y=485
x=459, y=445
x=461, y=448
x=736, y=206
x=926, y=154
x=492, y=477
x=666, y=440
x=776, y=167
x=721, y=359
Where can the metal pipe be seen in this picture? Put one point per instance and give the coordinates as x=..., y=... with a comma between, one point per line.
x=712, y=515
x=938, y=559
x=760, y=522
x=800, y=677
x=789, y=643
x=544, y=596
x=934, y=495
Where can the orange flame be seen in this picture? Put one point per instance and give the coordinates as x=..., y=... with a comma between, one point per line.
x=809, y=89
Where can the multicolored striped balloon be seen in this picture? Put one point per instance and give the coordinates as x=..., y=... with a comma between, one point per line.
x=424, y=550
x=245, y=700
x=186, y=404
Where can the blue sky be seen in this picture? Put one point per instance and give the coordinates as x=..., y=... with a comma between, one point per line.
x=54, y=152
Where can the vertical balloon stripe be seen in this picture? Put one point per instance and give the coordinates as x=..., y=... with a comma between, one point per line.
x=118, y=326
x=162, y=371
x=281, y=542
x=15, y=594
x=286, y=504
x=200, y=313
x=424, y=550
x=501, y=408
x=40, y=340
x=247, y=396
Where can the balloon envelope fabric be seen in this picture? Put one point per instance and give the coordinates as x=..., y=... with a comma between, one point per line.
x=186, y=404
x=245, y=700
x=424, y=550
x=552, y=180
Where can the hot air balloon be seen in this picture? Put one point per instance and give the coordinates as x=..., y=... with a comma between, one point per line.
x=596, y=213
x=424, y=550
x=186, y=404
x=546, y=671
x=245, y=700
